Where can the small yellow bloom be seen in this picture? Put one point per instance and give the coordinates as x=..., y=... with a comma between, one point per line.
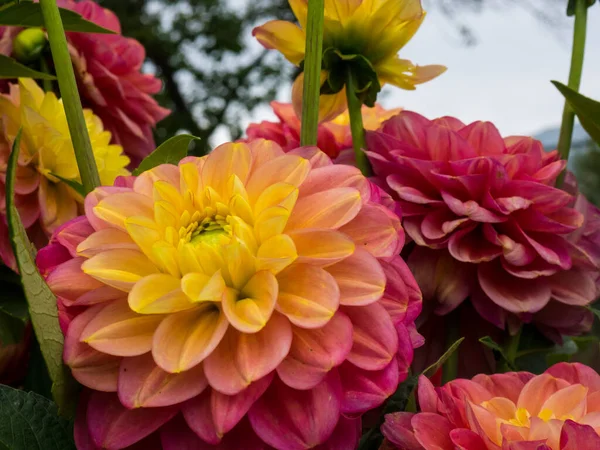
x=374, y=29
x=47, y=153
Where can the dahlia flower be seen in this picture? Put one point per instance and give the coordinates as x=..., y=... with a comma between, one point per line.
x=376, y=31
x=557, y=410
x=108, y=71
x=231, y=299
x=488, y=223
x=43, y=200
x=333, y=136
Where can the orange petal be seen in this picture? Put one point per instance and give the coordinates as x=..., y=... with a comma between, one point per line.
x=321, y=247
x=119, y=331
x=326, y=209
x=568, y=402
x=537, y=391
x=276, y=253
x=185, y=339
x=103, y=240
x=115, y=208
x=330, y=106
x=308, y=295
x=223, y=162
x=404, y=74
x=242, y=358
x=360, y=278
x=289, y=169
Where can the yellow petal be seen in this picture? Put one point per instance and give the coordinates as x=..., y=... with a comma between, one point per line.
x=404, y=74
x=320, y=246
x=144, y=233
x=165, y=255
x=158, y=294
x=300, y=8
x=250, y=310
x=223, y=162
x=201, y=288
x=278, y=194
x=167, y=192
x=116, y=208
x=105, y=239
x=283, y=36
x=271, y=222
x=119, y=268
x=184, y=339
x=289, y=169
x=330, y=106
x=240, y=263
x=276, y=253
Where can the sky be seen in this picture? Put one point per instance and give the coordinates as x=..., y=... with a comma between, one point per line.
x=504, y=78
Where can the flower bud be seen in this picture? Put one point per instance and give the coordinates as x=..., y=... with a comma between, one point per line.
x=29, y=44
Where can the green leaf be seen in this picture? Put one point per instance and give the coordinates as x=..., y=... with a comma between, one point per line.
x=76, y=186
x=571, y=6
x=42, y=303
x=587, y=110
x=10, y=68
x=170, y=152
x=29, y=421
x=29, y=14
x=490, y=343
x=432, y=369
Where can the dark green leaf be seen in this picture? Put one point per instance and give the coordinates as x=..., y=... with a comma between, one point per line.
x=13, y=314
x=29, y=421
x=432, y=369
x=10, y=68
x=76, y=186
x=587, y=110
x=28, y=14
x=42, y=303
x=490, y=343
x=170, y=152
x=571, y=6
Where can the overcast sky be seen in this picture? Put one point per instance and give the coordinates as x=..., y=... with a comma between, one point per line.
x=504, y=78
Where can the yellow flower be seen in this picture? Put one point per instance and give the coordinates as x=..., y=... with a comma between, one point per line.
x=374, y=29
x=47, y=153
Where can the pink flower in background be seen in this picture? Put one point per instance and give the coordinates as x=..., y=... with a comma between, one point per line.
x=250, y=299
x=108, y=70
x=488, y=223
x=557, y=410
x=333, y=136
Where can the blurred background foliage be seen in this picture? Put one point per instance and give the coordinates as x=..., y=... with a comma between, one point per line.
x=215, y=74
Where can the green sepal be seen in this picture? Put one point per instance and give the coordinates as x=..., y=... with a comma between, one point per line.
x=586, y=109
x=41, y=301
x=337, y=66
x=29, y=14
x=75, y=185
x=171, y=151
x=571, y=6
x=11, y=68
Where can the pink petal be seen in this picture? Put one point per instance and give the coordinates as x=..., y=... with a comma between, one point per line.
x=295, y=420
x=576, y=373
x=397, y=428
x=574, y=287
x=402, y=298
x=346, y=435
x=578, y=437
x=71, y=234
x=243, y=358
x=335, y=176
x=69, y=282
x=364, y=390
x=465, y=439
x=143, y=384
x=112, y=426
x=432, y=431
x=315, y=352
x=197, y=414
x=373, y=347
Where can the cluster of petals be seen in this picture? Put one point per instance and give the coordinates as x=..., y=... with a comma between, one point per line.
x=557, y=410
x=376, y=30
x=488, y=223
x=333, y=136
x=46, y=157
x=108, y=70
x=230, y=301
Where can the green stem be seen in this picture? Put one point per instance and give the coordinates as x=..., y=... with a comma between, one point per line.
x=70, y=96
x=568, y=118
x=312, y=72
x=356, y=126
x=46, y=84
x=450, y=367
x=511, y=351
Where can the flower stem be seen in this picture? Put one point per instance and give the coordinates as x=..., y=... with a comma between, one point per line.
x=312, y=72
x=511, y=351
x=70, y=96
x=356, y=126
x=46, y=84
x=450, y=367
x=568, y=118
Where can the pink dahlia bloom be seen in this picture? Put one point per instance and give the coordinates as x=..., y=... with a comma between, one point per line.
x=108, y=70
x=333, y=136
x=230, y=302
x=557, y=410
x=488, y=223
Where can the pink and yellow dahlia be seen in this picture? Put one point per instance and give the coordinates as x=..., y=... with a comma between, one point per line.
x=488, y=223
x=374, y=30
x=333, y=136
x=247, y=299
x=557, y=410
x=47, y=156
x=108, y=70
